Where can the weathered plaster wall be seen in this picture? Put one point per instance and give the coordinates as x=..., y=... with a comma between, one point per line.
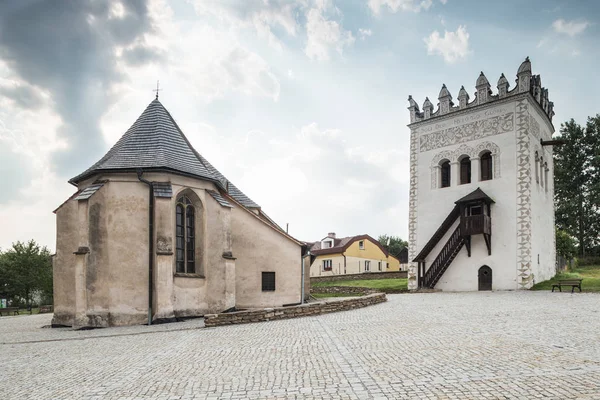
x=259, y=248
x=67, y=238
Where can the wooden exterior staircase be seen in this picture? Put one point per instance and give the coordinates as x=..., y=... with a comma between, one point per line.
x=474, y=212
x=444, y=259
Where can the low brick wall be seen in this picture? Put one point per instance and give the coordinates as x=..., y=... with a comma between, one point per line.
x=364, y=275
x=303, y=310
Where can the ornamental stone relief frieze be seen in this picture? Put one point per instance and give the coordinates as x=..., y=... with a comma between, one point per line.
x=470, y=131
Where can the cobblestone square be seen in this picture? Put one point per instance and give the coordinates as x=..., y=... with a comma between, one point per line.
x=492, y=345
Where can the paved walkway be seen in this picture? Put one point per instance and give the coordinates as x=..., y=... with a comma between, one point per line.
x=502, y=345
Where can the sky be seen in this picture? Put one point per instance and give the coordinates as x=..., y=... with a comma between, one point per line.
x=301, y=104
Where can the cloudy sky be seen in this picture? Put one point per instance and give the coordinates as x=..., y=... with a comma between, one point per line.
x=301, y=104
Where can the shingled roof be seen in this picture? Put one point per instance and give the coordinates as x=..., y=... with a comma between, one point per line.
x=155, y=143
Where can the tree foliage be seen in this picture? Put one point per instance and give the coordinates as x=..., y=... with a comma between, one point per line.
x=396, y=244
x=566, y=245
x=26, y=269
x=577, y=182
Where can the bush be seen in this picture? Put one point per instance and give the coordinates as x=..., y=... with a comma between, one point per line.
x=587, y=261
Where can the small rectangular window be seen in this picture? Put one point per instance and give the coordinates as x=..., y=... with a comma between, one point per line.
x=327, y=264
x=268, y=281
x=367, y=266
x=361, y=245
x=380, y=265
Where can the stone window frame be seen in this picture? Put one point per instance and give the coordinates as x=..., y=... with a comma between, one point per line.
x=199, y=234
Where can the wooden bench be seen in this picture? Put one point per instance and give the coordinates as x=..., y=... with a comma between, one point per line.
x=46, y=309
x=8, y=310
x=574, y=283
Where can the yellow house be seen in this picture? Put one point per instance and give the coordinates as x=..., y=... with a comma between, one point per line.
x=350, y=255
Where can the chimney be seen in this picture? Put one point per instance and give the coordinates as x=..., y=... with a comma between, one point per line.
x=331, y=235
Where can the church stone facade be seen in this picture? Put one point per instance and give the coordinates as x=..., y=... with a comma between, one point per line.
x=155, y=232
x=481, y=210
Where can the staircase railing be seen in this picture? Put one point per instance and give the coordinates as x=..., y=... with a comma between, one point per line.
x=444, y=258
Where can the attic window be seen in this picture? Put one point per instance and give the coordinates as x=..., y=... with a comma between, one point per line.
x=327, y=244
x=361, y=245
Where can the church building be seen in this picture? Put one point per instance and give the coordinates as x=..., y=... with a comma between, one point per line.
x=481, y=209
x=155, y=233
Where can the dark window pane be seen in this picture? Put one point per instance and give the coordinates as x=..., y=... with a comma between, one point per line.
x=180, y=266
x=486, y=167
x=465, y=170
x=446, y=174
x=268, y=281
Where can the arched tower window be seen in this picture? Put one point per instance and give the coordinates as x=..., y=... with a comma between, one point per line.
x=185, y=231
x=465, y=170
x=542, y=171
x=445, y=172
x=546, y=175
x=485, y=162
x=537, y=164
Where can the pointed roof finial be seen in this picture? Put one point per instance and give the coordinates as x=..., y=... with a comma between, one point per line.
x=157, y=90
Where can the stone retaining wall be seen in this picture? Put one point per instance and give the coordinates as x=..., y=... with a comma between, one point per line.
x=303, y=310
x=343, y=289
x=364, y=275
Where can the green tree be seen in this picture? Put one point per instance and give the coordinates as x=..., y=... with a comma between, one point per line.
x=26, y=269
x=577, y=182
x=395, y=246
x=566, y=246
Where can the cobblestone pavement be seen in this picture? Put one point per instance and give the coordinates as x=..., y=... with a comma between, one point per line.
x=500, y=345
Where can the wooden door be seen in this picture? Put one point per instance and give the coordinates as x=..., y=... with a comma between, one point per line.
x=485, y=278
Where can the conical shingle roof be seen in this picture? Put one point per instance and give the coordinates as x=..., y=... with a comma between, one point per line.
x=155, y=142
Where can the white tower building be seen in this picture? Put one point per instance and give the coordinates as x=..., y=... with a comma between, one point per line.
x=481, y=188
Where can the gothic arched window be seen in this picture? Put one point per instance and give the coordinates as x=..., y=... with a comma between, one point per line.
x=185, y=231
x=445, y=172
x=465, y=170
x=485, y=162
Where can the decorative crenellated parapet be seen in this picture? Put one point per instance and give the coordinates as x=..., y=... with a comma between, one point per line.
x=483, y=89
x=427, y=108
x=415, y=114
x=502, y=86
x=526, y=82
x=524, y=76
x=445, y=99
x=463, y=98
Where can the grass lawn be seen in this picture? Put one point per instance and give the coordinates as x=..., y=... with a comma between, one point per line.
x=590, y=275
x=326, y=295
x=391, y=284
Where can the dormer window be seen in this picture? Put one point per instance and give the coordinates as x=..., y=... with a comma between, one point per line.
x=327, y=244
x=361, y=245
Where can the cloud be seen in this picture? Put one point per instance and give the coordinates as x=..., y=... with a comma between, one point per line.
x=399, y=5
x=323, y=35
x=444, y=2
x=571, y=28
x=452, y=46
x=265, y=17
x=69, y=50
x=363, y=33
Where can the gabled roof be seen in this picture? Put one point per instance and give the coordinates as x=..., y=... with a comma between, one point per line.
x=475, y=195
x=155, y=143
x=340, y=245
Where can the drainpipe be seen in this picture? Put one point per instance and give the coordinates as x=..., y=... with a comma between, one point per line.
x=150, y=240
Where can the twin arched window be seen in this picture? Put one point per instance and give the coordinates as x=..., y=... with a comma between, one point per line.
x=185, y=232
x=485, y=169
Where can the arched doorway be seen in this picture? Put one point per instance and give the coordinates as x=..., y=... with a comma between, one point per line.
x=485, y=278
